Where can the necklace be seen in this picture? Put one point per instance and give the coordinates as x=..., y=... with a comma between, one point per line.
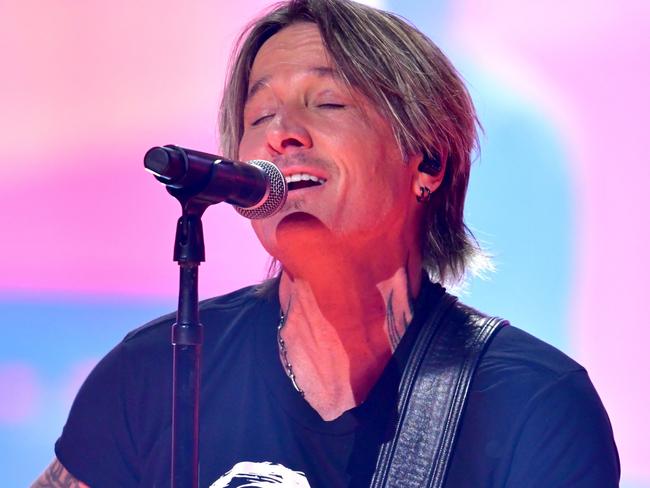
x=283, y=356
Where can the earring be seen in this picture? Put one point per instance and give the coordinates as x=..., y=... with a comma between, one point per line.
x=424, y=195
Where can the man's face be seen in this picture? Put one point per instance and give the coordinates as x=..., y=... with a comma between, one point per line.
x=303, y=118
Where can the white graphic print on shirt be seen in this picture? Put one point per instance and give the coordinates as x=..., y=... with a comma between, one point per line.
x=261, y=475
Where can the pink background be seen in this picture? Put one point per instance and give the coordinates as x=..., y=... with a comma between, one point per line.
x=87, y=87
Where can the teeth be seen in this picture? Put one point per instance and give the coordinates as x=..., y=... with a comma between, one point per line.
x=304, y=177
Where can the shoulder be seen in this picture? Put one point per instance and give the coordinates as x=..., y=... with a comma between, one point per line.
x=128, y=390
x=145, y=350
x=511, y=357
x=536, y=415
x=514, y=351
x=527, y=373
x=218, y=310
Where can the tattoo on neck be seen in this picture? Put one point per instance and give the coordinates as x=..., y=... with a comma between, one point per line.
x=394, y=335
x=409, y=296
x=395, y=330
x=405, y=320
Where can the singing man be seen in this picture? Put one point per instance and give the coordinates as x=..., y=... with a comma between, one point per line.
x=303, y=381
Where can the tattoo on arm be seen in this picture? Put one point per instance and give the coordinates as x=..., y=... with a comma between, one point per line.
x=56, y=476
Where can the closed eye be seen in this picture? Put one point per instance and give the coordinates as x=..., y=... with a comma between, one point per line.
x=331, y=105
x=261, y=119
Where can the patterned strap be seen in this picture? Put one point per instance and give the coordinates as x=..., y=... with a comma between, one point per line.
x=432, y=395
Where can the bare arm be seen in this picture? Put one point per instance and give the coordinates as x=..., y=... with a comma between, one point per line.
x=56, y=476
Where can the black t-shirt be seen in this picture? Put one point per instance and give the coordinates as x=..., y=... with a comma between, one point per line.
x=532, y=416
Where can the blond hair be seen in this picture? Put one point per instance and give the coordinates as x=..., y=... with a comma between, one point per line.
x=409, y=80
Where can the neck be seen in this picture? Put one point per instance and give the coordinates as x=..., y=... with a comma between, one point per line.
x=344, y=320
x=351, y=300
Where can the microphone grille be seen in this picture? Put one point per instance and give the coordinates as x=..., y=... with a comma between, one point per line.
x=276, y=192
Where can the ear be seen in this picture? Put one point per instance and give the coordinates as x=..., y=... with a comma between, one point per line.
x=429, y=173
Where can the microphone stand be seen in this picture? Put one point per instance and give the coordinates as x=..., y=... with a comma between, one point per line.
x=187, y=341
x=190, y=178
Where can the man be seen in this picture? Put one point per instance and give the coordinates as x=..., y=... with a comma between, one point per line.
x=373, y=130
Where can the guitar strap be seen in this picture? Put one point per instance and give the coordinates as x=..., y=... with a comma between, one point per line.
x=432, y=395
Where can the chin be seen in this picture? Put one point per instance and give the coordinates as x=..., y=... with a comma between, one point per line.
x=301, y=228
x=293, y=235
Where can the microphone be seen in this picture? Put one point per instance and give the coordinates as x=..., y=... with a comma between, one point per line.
x=257, y=188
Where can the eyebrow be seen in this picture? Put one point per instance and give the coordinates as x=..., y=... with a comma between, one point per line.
x=319, y=71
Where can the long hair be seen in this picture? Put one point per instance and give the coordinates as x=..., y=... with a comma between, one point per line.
x=411, y=83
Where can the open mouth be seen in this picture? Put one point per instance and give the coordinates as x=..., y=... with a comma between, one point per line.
x=303, y=180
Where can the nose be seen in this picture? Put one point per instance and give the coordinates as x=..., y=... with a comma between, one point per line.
x=287, y=131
